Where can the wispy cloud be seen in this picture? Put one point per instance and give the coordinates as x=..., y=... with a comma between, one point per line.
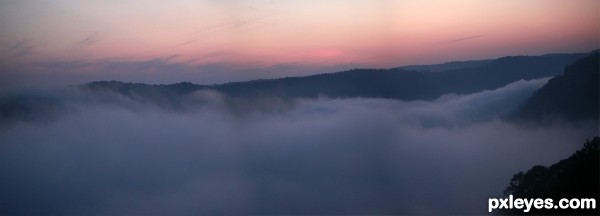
x=187, y=42
x=457, y=40
x=90, y=39
x=20, y=47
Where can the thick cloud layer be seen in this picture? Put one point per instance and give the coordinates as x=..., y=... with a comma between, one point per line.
x=311, y=156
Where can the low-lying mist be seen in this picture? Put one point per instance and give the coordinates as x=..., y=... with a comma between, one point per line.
x=108, y=154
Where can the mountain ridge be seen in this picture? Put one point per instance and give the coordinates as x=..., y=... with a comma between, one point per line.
x=394, y=83
x=572, y=95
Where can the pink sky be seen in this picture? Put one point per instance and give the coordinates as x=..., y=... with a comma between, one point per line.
x=369, y=33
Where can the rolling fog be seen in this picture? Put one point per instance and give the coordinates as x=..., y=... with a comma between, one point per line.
x=305, y=156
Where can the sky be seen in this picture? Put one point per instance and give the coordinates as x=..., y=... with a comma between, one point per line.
x=278, y=38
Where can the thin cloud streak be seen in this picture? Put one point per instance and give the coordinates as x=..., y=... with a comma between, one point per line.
x=462, y=39
x=22, y=47
x=91, y=39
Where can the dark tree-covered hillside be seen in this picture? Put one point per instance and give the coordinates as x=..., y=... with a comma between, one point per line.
x=398, y=83
x=575, y=177
x=369, y=83
x=572, y=96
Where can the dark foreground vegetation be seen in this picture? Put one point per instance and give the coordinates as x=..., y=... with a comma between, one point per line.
x=574, y=177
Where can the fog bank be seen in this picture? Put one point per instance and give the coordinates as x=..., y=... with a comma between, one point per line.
x=307, y=156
